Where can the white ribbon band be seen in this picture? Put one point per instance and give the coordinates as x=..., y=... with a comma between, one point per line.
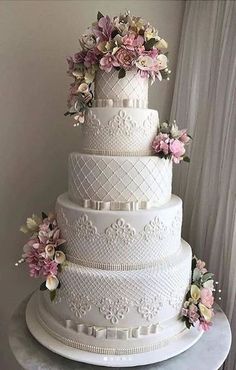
x=106, y=350
x=118, y=206
x=126, y=103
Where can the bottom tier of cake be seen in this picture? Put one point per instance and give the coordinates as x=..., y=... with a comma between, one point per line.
x=117, y=312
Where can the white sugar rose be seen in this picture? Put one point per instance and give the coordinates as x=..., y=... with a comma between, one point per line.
x=162, y=62
x=52, y=282
x=88, y=41
x=145, y=63
x=60, y=257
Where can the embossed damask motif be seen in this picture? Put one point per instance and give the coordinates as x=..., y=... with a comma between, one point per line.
x=149, y=308
x=122, y=123
x=120, y=231
x=93, y=122
x=155, y=229
x=78, y=305
x=114, y=310
x=176, y=223
x=85, y=227
x=148, y=123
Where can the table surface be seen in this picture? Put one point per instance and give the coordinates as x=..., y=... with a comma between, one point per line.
x=209, y=353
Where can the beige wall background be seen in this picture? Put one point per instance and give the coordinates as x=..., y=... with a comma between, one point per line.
x=35, y=137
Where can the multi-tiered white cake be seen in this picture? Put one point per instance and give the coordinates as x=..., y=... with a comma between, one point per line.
x=128, y=268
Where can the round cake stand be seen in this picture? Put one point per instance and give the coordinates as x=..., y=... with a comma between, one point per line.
x=209, y=353
x=174, y=348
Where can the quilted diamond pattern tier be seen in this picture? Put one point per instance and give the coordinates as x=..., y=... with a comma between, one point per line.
x=119, y=179
x=118, y=131
x=120, y=240
x=132, y=87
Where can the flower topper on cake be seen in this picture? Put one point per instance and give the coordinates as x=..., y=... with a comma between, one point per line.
x=123, y=43
x=170, y=142
x=197, y=309
x=42, y=253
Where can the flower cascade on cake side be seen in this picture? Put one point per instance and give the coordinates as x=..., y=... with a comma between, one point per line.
x=170, y=142
x=123, y=43
x=41, y=252
x=197, y=309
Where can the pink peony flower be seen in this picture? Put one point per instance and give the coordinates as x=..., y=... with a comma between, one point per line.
x=207, y=297
x=177, y=150
x=125, y=58
x=132, y=41
x=184, y=137
x=108, y=62
x=161, y=144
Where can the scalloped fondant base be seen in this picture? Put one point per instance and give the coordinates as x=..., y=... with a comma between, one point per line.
x=173, y=348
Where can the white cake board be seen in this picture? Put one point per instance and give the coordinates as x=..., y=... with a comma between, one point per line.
x=172, y=349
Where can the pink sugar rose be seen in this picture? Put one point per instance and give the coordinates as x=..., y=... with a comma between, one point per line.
x=125, y=58
x=161, y=143
x=177, y=150
x=108, y=62
x=184, y=137
x=131, y=41
x=207, y=297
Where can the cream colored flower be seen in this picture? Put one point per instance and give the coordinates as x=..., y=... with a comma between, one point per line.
x=78, y=74
x=50, y=250
x=195, y=292
x=162, y=61
x=83, y=88
x=162, y=44
x=60, y=257
x=150, y=33
x=32, y=224
x=52, y=282
x=209, y=284
x=145, y=63
x=205, y=312
x=89, y=76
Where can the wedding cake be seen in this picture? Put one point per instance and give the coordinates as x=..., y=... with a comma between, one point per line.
x=127, y=270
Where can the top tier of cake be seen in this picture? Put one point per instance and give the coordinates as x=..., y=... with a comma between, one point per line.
x=110, y=91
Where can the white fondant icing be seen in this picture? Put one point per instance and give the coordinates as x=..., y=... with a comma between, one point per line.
x=109, y=87
x=119, y=179
x=119, y=131
x=125, y=238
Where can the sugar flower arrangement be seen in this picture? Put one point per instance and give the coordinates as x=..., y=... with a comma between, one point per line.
x=170, y=142
x=197, y=309
x=41, y=252
x=124, y=42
